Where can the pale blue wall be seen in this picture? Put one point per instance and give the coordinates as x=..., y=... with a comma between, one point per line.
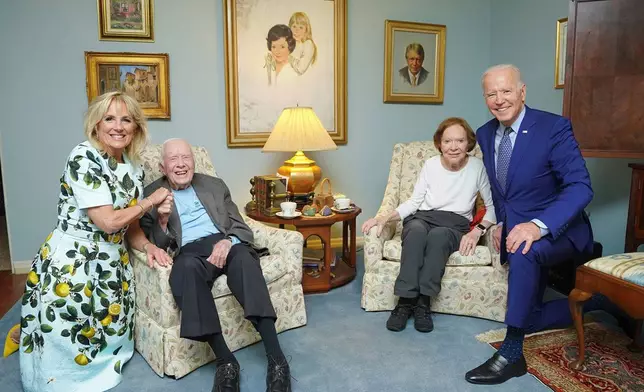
x=524, y=33
x=42, y=80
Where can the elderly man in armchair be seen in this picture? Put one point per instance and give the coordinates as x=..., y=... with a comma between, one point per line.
x=201, y=224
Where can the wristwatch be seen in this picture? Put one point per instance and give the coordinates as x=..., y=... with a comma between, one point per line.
x=482, y=228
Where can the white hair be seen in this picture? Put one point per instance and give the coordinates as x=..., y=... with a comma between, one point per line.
x=500, y=67
x=165, y=143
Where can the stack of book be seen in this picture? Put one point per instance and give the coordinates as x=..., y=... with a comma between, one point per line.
x=314, y=258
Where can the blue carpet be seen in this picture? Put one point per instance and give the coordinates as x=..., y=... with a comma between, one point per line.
x=342, y=348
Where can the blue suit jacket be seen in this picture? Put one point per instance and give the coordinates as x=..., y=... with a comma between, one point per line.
x=547, y=178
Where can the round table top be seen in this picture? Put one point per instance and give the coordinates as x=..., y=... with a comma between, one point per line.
x=302, y=220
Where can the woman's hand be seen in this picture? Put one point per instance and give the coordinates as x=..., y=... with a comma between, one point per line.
x=469, y=241
x=158, y=196
x=158, y=255
x=379, y=221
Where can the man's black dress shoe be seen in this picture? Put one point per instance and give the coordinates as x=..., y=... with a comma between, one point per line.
x=496, y=370
x=278, y=375
x=226, y=377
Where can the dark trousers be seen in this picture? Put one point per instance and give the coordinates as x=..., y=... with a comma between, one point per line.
x=192, y=278
x=428, y=239
x=527, y=280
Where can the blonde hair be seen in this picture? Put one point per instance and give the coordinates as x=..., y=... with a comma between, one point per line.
x=303, y=19
x=97, y=109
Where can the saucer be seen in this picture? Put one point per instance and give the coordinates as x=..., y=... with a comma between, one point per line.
x=344, y=210
x=281, y=215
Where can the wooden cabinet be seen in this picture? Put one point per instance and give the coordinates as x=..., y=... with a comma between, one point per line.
x=635, y=225
x=604, y=84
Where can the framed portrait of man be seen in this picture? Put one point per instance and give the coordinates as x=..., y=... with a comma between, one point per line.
x=414, y=62
x=279, y=54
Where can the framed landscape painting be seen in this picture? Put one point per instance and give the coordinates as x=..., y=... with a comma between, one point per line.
x=283, y=53
x=126, y=20
x=143, y=76
x=414, y=62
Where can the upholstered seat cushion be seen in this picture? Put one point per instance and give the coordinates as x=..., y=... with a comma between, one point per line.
x=272, y=270
x=626, y=266
x=393, y=248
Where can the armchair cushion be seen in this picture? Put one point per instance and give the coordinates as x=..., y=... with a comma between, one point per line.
x=272, y=269
x=625, y=266
x=393, y=249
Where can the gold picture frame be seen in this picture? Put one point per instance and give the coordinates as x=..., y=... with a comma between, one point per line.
x=126, y=20
x=425, y=43
x=145, y=76
x=260, y=82
x=560, y=53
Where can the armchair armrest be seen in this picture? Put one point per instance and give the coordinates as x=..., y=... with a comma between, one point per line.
x=487, y=240
x=287, y=243
x=153, y=293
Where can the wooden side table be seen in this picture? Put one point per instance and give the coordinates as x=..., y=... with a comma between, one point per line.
x=345, y=266
x=635, y=222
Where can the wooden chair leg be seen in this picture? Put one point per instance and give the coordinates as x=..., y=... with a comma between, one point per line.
x=637, y=345
x=576, y=300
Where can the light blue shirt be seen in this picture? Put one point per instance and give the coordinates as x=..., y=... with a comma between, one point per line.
x=195, y=221
x=513, y=137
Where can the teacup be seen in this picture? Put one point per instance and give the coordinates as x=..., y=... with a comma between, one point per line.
x=342, y=203
x=288, y=208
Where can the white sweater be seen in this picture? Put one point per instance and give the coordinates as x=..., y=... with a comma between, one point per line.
x=440, y=189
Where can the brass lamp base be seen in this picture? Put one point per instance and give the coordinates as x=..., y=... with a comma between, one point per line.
x=303, y=174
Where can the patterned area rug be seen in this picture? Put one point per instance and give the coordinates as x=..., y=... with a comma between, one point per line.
x=609, y=366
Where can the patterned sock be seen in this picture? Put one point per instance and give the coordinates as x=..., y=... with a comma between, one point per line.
x=512, y=347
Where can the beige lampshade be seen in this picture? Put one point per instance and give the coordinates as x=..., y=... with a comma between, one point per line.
x=299, y=129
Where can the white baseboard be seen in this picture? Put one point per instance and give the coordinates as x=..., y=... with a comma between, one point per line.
x=336, y=243
x=21, y=267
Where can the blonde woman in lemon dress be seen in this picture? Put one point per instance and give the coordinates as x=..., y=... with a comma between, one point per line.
x=77, y=324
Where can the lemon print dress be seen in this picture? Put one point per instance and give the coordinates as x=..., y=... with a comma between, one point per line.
x=78, y=307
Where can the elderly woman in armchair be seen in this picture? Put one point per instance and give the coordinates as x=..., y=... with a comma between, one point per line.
x=436, y=222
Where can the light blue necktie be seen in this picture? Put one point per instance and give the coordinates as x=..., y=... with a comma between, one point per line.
x=503, y=159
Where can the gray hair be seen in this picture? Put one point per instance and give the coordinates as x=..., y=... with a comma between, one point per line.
x=500, y=67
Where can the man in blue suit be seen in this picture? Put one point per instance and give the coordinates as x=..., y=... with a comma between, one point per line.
x=540, y=186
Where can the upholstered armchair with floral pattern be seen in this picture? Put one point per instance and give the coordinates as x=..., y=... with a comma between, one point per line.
x=157, y=316
x=472, y=285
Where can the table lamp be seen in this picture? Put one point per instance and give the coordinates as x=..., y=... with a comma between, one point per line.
x=299, y=129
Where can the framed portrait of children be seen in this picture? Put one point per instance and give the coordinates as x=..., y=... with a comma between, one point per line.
x=126, y=20
x=279, y=54
x=414, y=62
x=143, y=76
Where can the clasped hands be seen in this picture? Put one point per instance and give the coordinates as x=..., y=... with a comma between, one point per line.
x=162, y=198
